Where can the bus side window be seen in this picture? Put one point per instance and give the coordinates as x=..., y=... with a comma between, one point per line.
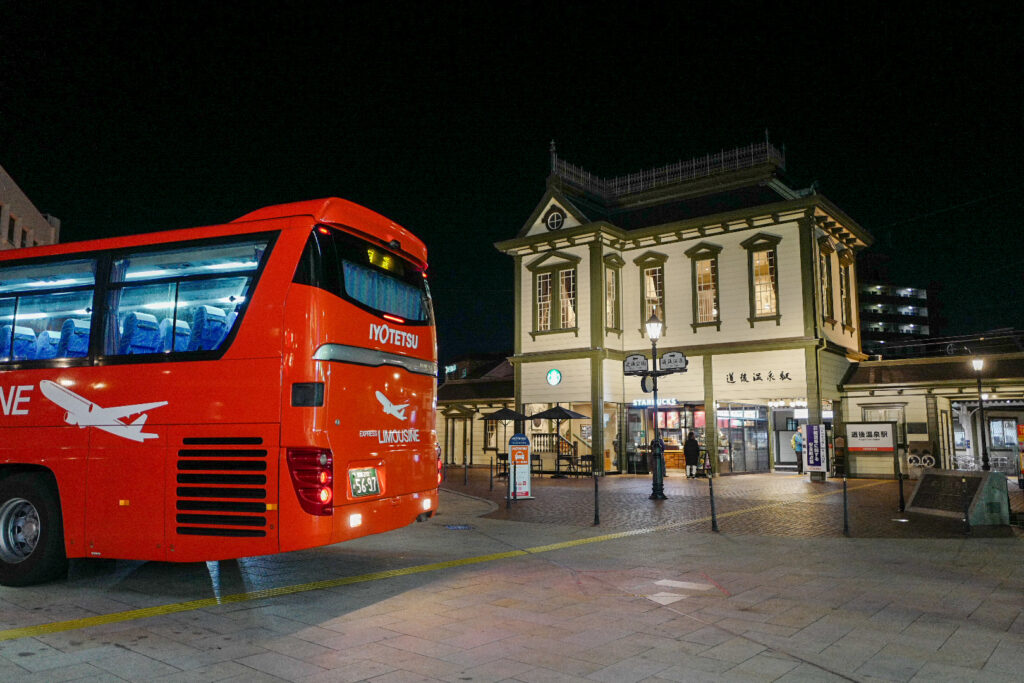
x=132, y=325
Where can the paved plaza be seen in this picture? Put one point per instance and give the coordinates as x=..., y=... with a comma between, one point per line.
x=536, y=592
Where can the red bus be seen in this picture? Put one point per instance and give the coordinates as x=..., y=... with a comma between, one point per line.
x=227, y=391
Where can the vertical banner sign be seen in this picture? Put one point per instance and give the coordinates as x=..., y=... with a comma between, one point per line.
x=815, y=449
x=519, y=461
x=1020, y=451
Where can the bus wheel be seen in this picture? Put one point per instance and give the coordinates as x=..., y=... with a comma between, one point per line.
x=31, y=531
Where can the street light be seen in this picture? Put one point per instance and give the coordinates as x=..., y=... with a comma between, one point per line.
x=978, y=364
x=654, y=326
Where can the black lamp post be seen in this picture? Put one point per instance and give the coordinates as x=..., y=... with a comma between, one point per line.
x=978, y=364
x=653, y=325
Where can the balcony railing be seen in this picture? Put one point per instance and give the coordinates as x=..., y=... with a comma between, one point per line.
x=699, y=167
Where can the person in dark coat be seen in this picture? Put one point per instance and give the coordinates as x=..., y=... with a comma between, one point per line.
x=691, y=451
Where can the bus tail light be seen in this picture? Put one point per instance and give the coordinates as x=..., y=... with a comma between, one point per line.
x=312, y=472
x=440, y=466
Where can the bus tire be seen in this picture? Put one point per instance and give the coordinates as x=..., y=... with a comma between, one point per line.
x=31, y=530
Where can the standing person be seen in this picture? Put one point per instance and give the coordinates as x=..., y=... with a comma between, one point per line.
x=691, y=451
x=798, y=447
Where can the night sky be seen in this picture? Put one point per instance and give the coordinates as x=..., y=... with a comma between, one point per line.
x=121, y=118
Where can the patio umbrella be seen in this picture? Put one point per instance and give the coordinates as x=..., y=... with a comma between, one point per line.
x=504, y=415
x=558, y=413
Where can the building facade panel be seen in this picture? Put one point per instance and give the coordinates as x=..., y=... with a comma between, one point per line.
x=21, y=224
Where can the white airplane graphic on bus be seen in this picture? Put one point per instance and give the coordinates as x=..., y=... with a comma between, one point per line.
x=390, y=408
x=84, y=413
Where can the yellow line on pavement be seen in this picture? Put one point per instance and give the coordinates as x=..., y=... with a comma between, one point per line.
x=251, y=596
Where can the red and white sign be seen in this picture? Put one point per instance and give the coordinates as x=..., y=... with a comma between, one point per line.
x=519, y=462
x=871, y=437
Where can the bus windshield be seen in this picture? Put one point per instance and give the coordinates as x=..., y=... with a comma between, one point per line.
x=365, y=274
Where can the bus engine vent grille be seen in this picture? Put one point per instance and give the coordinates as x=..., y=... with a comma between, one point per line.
x=222, y=491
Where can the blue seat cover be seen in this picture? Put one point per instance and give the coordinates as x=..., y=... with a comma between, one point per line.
x=177, y=342
x=141, y=334
x=208, y=325
x=74, y=339
x=24, y=343
x=46, y=344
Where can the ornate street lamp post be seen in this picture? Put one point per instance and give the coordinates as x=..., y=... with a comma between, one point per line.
x=978, y=364
x=653, y=325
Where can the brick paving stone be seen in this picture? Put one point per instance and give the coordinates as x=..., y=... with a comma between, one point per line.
x=757, y=504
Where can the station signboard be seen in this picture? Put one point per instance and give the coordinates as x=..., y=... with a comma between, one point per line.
x=635, y=364
x=674, y=360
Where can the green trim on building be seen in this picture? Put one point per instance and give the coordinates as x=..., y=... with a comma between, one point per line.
x=811, y=363
x=710, y=414
x=597, y=412
x=808, y=279
x=614, y=263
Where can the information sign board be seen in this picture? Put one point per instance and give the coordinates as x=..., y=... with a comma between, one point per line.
x=674, y=360
x=519, y=464
x=635, y=364
x=871, y=437
x=815, y=449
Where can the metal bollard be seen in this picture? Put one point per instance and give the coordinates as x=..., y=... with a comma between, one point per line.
x=967, y=505
x=846, y=511
x=711, y=496
x=491, y=467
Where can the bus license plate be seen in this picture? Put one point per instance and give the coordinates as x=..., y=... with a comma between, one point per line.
x=364, y=482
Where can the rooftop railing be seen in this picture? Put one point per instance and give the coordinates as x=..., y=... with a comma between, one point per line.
x=681, y=171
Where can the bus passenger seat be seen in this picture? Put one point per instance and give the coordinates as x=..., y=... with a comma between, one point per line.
x=46, y=344
x=24, y=343
x=208, y=325
x=140, y=334
x=177, y=342
x=74, y=339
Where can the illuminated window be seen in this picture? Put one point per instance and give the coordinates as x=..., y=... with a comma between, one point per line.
x=611, y=298
x=827, y=304
x=42, y=303
x=704, y=283
x=543, y=302
x=567, y=297
x=613, y=292
x=654, y=292
x=764, y=283
x=555, y=293
x=763, y=278
x=707, y=291
x=651, y=267
x=845, y=296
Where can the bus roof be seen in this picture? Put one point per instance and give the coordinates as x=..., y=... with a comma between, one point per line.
x=331, y=211
x=335, y=211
